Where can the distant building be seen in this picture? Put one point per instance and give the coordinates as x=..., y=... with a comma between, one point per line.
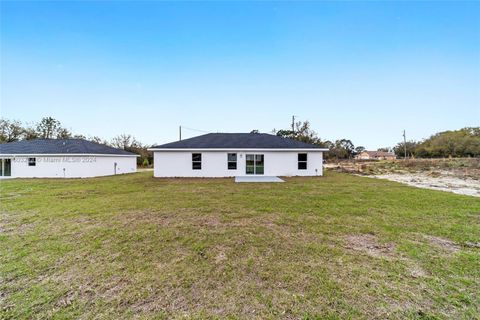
x=63, y=158
x=375, y=155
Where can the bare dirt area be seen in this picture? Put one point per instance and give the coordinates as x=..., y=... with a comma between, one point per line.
x=467, y=186
x=445, y=244
x=460, y=176
x=369, y=244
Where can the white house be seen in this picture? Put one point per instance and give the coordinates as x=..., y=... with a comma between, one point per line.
x=63, y=158
x=237, y=154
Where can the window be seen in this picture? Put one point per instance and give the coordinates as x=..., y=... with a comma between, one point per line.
x=302, y=161
x=32, y=162
x=232, y=161
x=196, y=161
x=7, y=167
x=259, y=164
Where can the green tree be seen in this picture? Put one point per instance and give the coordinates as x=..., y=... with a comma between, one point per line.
x=359, y=149
x=30, y=133
x=340, y=149
x=347, y=147
x=458, y=143
x=454, y=143
x=10, y=131
x=63, y=133
x=412, y=147
x=47, y=128
x=302, y=132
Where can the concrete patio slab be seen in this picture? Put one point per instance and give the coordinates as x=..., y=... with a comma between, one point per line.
x=258, y=179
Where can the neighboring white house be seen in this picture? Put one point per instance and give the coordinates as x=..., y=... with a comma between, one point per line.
x=237, y=154
x=63, y=158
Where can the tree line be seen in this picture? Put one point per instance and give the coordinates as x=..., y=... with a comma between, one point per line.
x=51, y=128
x=457, y=143
x=338, y=149
x=453, y=143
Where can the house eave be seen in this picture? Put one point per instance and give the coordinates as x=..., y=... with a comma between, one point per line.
x=66, y=155
x=238, y=149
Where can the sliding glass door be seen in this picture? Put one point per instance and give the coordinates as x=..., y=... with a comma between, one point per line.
x=5, y=167
x=254, y=163
x=250, y=163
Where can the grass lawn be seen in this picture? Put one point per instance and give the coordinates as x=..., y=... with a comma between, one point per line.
x=338, y=246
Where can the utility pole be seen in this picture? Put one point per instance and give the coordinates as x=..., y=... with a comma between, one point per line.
x=293, y=124
x=180, y=132
x=405, y=145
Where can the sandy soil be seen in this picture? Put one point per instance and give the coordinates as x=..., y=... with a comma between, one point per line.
x=457, y=175
x=444, y=182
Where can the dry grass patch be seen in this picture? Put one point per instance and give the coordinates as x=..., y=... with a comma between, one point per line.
x=445, y=244
x=369, y=244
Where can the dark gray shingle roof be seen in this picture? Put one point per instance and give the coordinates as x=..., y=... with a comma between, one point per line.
x=59, y=146
x=237, y=141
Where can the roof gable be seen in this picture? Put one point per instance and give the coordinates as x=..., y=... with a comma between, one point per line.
x=59, y=146
x=237, y=141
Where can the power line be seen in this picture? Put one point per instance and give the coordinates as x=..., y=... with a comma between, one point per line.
x=192, y=129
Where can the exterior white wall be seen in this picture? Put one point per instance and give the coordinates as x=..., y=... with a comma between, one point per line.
x=362, y=157
x=214, y=163
x=71, y=166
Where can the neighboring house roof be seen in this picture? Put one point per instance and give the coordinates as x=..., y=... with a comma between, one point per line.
x=379, y=154
x=59, y=146
x=238, y=141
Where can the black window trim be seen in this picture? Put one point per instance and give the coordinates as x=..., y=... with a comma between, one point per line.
x=196, y=162
x=302, y=162
x=232, y=162
x=32, y=162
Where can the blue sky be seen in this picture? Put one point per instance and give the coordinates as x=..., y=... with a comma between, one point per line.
x=358, y=70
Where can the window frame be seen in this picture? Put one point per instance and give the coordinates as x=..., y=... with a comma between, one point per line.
x=301, y=163
x=196, y=162
x=255, y=163
x=32, y=162
x=232, y=162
